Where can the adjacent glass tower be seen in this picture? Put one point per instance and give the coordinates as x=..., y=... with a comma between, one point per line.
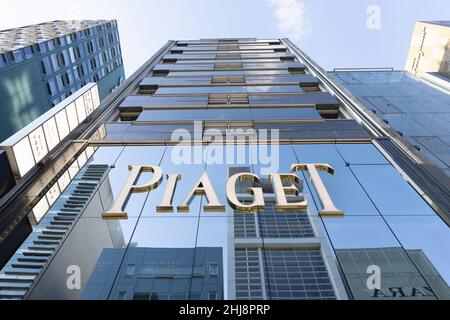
x=41, y=65
x=144, y=205
x=416, y=110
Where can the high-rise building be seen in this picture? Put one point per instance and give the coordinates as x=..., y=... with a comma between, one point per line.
x=404, y=273
x=158, y=274
x=42, y=64
x=430, y=49
x=33, y=146
x=229, y=169
x=416, y=110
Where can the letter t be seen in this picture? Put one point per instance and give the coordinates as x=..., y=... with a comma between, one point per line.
x=328, y=207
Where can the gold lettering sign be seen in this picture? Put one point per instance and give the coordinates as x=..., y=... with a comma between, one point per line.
x=166, y=203
x=281, y=192
x=284, y=184
x=116, y=211
x=258, y=201
x=203, y=188
x=313, y=168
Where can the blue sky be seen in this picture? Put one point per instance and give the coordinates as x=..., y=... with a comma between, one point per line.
x=333, y=33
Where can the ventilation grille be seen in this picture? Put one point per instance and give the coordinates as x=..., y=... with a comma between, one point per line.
x=18, y=276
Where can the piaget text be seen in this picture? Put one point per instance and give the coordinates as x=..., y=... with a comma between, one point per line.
x=284, y=185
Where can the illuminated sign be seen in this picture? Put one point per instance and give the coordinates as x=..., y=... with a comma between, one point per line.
x=284, y=185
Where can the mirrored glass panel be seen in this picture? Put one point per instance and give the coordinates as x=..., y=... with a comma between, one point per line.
x=366, y=246
x=389, y=191
x=229, y=114
x=159, y=263
x=422, y=237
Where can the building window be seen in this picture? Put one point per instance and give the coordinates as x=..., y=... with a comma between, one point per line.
x=51, y=45
x=55, y=62
x=29, y=52
x=213, y=269
x=49, y=90
x=77, y=53
x=297, y=274
x=17, y=56
x=93, y=64
x=90, y=47
x=3, y=61
x=141, y=296
x=244, y=225
x=61, y=60
x=122, y=295
x=248, y=275
x=130, y=270
x=72, y=55
x=65, y=79
x=44, y=71
x=43, y=47
x=212, y=295
x=80, y=71
x=52, y=87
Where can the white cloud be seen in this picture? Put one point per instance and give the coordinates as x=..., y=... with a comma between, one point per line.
x=292, y=19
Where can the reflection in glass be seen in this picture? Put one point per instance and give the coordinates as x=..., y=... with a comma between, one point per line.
x=162, y=254
x=359, y=232
x=422, y=237
x=229, y=114
x=85, y=245
x=390, y=193
x=365, y=244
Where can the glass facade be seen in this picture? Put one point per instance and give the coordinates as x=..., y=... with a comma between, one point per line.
x=418, y=112
x=221, y=198
x=46, y=63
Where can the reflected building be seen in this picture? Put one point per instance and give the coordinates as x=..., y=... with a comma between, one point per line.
x=82, y=193
x=406, y=274
x=415, y=109
x=278, y=255
x=413, y=103
x=43, y=64
x=277, y=110
x=158, y=274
